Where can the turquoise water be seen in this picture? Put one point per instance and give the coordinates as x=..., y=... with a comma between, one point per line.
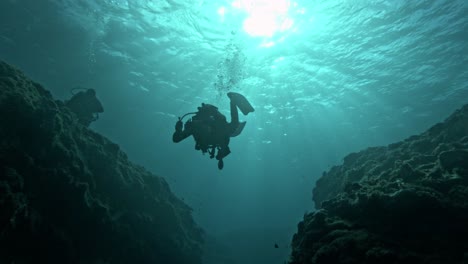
x=331, y=78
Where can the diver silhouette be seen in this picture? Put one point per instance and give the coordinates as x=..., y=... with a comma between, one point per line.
x=85, y=105
x=210, y=129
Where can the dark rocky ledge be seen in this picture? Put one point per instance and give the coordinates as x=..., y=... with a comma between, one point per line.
x=403, y=203
x=69, y=195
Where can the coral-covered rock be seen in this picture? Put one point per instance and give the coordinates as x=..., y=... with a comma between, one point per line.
x=69, y=195
x=445, y=144
x=403, y=203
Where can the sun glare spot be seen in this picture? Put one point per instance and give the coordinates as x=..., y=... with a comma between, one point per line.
x=222, y=11
x=265, y=17
x=260, y=25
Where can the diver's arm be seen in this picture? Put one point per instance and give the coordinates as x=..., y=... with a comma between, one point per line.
x=181, y=134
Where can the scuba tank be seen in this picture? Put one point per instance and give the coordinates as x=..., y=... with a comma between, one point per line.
x=205, y=112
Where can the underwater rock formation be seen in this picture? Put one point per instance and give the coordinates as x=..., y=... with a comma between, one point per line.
x=403, y=203
x=69, y=195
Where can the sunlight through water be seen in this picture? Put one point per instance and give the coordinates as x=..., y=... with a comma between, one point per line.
x=263, y=18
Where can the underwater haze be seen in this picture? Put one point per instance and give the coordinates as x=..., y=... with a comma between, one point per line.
x=326, y=78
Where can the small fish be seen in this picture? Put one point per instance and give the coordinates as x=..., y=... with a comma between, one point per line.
x=276, y=245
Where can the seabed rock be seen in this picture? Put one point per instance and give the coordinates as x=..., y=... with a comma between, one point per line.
x=70, y=195
x=403, y=203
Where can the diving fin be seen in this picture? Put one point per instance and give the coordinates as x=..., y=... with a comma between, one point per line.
x=238, y=129
x=241, y=102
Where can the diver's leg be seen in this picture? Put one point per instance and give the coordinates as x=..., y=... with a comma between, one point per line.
x=234, y=113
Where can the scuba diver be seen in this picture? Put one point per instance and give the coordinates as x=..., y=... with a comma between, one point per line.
x=85, y=105
x=210, y=129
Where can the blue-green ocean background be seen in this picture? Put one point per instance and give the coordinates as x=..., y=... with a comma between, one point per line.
x=350, y=74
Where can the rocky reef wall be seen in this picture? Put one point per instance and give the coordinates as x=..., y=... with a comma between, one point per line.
x=69, y=195
x=403, y=203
